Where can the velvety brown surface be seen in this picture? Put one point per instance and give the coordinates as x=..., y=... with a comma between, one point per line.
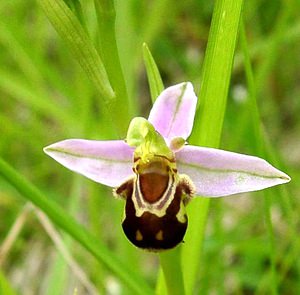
x=152, y=232
x=153, y=186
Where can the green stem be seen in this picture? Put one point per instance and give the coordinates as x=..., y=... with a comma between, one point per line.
x=191, y=251
x=109, y=52
x=170, y=263
x=209, y=120
x=74, y=229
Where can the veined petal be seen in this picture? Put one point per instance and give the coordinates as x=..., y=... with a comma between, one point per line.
x=107, y=162
x=173, y=112
x=217, y=173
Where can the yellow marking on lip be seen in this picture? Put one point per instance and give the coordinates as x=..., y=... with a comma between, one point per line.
x=138, y=236
x=181, y=215
x=159, y=236
x=158, y=208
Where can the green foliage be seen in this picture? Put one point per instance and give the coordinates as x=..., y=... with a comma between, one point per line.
x=63, y=79
x=209, y=117
x=154, y=79
x=62, y=220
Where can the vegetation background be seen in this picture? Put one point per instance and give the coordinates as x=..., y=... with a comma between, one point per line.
x=251, y=243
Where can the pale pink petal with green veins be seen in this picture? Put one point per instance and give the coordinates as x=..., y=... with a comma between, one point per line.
x=217, y=173
x=107, y=162
x=172, y=114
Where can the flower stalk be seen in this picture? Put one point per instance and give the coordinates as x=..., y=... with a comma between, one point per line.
x=108, y=48
x=216, y=73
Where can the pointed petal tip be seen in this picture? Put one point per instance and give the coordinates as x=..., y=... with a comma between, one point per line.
x=278, y=174
x=57, y=146
x=285, y=178
x=45, y=149
x=218, y=173
x=189, y=85
x=48, y=149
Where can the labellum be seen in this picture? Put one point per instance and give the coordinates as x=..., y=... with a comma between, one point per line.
x=155, y=217
x=156, y=195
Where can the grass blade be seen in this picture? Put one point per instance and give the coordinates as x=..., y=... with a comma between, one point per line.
x=106, y=16
x=209, y=119
x=74, y=229
x=171, y=267
x=154, y=79
x=70, y=29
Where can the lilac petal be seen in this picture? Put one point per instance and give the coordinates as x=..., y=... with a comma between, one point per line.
x=172, y=114
x=107, y=162
x=217, y=173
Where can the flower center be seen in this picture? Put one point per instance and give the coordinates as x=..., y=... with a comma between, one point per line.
x=153, y=178
x=153, y=186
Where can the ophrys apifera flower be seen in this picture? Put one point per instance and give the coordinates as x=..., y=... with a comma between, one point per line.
x=157, y=173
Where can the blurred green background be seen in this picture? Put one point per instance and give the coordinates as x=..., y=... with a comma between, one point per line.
x=45, y=97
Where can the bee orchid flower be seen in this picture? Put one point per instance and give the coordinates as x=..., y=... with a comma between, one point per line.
x=157, y=173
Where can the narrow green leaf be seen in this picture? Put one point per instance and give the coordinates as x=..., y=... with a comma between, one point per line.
x=161, y=287
x=154, y=79
x=171, y=265
x=67, y=223
x=70, y=29
x=106, y=17
x=75, y=6
x=209, y=119
x=9, y=39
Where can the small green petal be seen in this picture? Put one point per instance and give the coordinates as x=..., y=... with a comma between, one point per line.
x=177, y=143
x=147, y=141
